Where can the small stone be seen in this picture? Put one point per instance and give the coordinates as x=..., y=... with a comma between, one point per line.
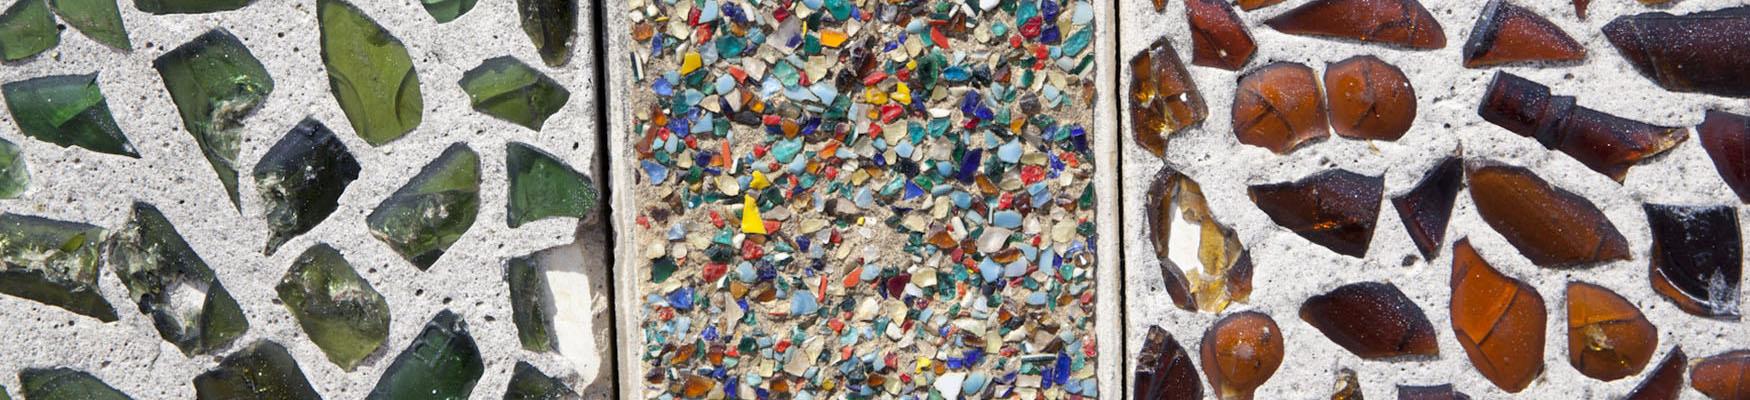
x=446, y=10
x=14, y=175
x=172, y=285
x=369, y=72
x=542, y=187
x=27, y=28
x=67, y=110
x=52, y=262
x=441, y=363
x=433, y=210
x=164, y=7
x=261, y=371
x=987, y=5
x=100, y=20
x=300, y=181
x=1279, y=107
x=551, y=25
x=215, y=83
x=65, y=384
x=528, y=383
x=337, y=308
x=508, y=89
x=1506, y=33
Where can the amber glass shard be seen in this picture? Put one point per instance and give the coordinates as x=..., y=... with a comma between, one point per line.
x=1163, y=99
x=1164, y=370
x=1723, y=376
x=1700, y=52
x=1507, y=33
x=1279, y=107
x=1335, y=208
x=1608, y=338
x=1726, y=137
x=1160, y=5
x=1580, y=8
x=1250, y=5
x=1373, y=320
x=1603, y=142
x=1218, y=38
x=1498, y=320
x=1239, y=353
x=1347, y=386
x=1697, y=259
x=1666, y=381
x=1427, y=208
x=1436, y=392
x=1369, y=99
x=1395, y=22
x=1551, y=226
x=1203, y=263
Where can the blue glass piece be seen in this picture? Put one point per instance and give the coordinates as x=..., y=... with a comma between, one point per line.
x=969, y=165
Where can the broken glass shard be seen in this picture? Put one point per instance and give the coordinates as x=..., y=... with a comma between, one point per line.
x=507, y=89
x=1373, y=320
x=529, y=300
x=261, y=371
x=1436, y=392
x=1336, y=209
x=1723, y=376
x=1164, y=370
x=27, y=29
x=1608, y=338
x=1499, y=321
x=1506, y=33
x=172, y=285
x=1551, y=226
x=528, y=383
x=67, y=110
x=1701, y=52
x=1666, y=380
x=1279, y=107
x=1218, y=37
x=215, y=83
x=1203, y=265
x=65, y=384
x=446, y=10
x=100, y=20
x=1427, y=207
x=1347, y=387
x=1726, y=137
x=551, y=25
x=300, y=180
x=14, y=175
x=52, y=262
x=1603, y=142
x=441, y=363
x=422, y=219
x=343, y=315
x=1369, y=99
x=1163, y=99
x=1696, y=260
x=1580, y=8
x=1395, y=22
x=541, y=186
x=1250, y=5
x=1240, y=352
x=162, y=7
x=369, y=72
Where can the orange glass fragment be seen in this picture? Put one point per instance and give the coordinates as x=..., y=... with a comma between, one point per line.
x=1250, y=5
x=1160, y=5
x=1279, y=107
x=1608, y=338
x=1163, y=99
x=1726, y=137
x=1164, y=370
x=1507, y=33
x=1336, y=209
x=1666, y=381
x=1603, y=142
x=1697, y=259
x=1369, y=99
x=1240, y=352
x=1724, y=376
x=1203, y=264
x=1218, y=38
x=1552, y=227
x=1498, y=320
x=1395, y=22
x=1371, y=319
x=1437, y=392
x=697, y=386
x=1427, y=208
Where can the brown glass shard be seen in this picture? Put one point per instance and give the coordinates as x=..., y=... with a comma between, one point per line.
x=1697, y=259
x=1724, y=376
x=1164, y=370
x=1369, y=99
x=1395, y=22
x=1498, y=320
x=1160, y=5
x=1436, y=392
x=1163, y=99
x=1701, y=52
x=1608, y=338
x=1580, y=8
x=1210, y=269
x=1603, y=142
x=1335, y=208
x=1666, y=381
x=1278, y=107
x=1218, y=38
x=1726, y=137
x=1250, y=5
x=1373, y=320
x=1347, y=386
x=1427, y=208
x=1240, y=352
x=1507, y=33
x=1552, y=227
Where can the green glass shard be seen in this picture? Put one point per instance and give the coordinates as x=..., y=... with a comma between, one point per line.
x=27, y=29
x=529, y=298
x=447, y=10
x=551, y=25
x=262, y=371
x=369, y=72
x=65, y=384
x=528, y=383
x=162, y=7
x=300, y=180
x=442, y=363
x=68, y=110
x=172, y=285
x=3, y=395
x=422, y=219
x=215, y=82
x=510, y=90
x=541, y=186
x=100, y=20
x=52, y=262
x=343, y=315
x=14, y=176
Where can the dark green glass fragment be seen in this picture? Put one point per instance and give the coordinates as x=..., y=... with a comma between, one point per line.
x=510, y=90
x=541, y=186
x=370, y=73
x=551, y=25
x=343, y=315
x=528, y=383
x=300, y=180
x=162, y=7
x=422, y=219
x=447, y=10
x=14, y=176
x=52, y=262
x=65, y=384
x=528, y=299
x=441, y=363
x=262, y=371
x=68, y=110
x=215, y=83
x=101, y=20
x=172, y=285
x=3, y=395
x=27, y=29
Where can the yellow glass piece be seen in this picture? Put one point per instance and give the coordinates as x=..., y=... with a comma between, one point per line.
x=750, y=217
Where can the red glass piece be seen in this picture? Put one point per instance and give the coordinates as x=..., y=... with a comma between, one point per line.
x=1507, y=33
x=1396, y=22
x=1726, y=137
x=1701, y=52
x=1218, y=37
x=1279, y=107
x=1426, y=208
x=1603, y=142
